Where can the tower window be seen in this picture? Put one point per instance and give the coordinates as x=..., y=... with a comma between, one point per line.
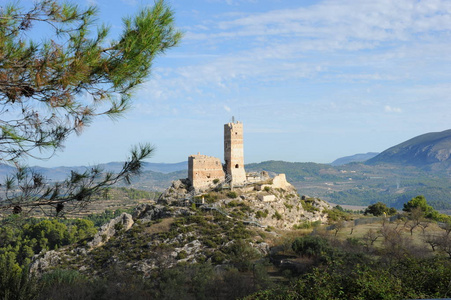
x=237, y=166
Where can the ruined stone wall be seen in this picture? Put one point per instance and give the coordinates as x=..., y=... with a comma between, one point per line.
x=234, y=152
x=203, y=169
x=280, y=181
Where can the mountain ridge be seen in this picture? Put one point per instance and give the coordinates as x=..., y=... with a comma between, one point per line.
x=359, y=157
x=62, y=172
x=431, y=151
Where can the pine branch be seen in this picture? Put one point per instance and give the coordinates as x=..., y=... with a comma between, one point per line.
x=28, y=190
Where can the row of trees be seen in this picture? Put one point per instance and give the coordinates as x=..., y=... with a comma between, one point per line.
x=417, y=205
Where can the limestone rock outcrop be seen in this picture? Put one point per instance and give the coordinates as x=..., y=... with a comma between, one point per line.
x=151, y=212
x=272, y=205
x=49, y=259
x=123, y=222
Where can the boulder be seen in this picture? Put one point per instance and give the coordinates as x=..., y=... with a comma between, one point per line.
x=267, y=198
x=177, y=184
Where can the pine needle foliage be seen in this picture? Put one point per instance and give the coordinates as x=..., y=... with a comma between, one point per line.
x=54, y=88
x=51, y=89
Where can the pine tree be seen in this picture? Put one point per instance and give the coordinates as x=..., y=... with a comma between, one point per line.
x=55, y=88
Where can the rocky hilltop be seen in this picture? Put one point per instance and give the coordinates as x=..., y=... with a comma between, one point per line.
x=187, y=226
x=273, y=202
x=429, y=151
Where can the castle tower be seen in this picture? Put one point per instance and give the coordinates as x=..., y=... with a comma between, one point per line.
x=233, y=152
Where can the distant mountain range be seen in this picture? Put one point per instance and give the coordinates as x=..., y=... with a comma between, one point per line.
x=361, y=157
x=419, y=166
x=430, y=151
x=61, y=173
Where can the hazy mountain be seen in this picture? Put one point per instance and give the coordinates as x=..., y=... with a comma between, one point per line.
x=155, y=167
x=361, y=157
x=428, y=151
x=61, y=173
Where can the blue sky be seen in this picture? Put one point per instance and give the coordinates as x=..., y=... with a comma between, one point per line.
x=310, y=80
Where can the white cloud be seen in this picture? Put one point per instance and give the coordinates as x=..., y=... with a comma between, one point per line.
x=378, y=34
x=391, y=109
x=323, y=46
x=329, y=25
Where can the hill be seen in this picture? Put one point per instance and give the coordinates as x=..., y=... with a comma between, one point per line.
x=228, y=245
x=296, y=171
x=430, y=151
x=361, y=157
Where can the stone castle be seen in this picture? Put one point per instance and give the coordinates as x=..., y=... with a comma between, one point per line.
x=203, y=170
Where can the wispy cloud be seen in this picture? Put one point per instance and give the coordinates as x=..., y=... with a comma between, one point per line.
x=388, y=38
x=303, y=74
x=391, y=109
x=353, y=64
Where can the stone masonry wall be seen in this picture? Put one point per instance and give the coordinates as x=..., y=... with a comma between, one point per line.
x=203, y=169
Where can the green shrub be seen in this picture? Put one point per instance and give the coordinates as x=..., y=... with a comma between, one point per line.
x=277, y=215
x=261, y=214
x=267, y=188
x=241, y=254
x=232, y=194
x=118, y=226
x=232, y=204
x=216, y=180
x=304, y=225
x=307, y=225
x=337, y=215
x=307, y=205
x=289, y=206
x=311, y=245
x=218, y=257
x=182, y=255
x=210, y=244
x=246, y=208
